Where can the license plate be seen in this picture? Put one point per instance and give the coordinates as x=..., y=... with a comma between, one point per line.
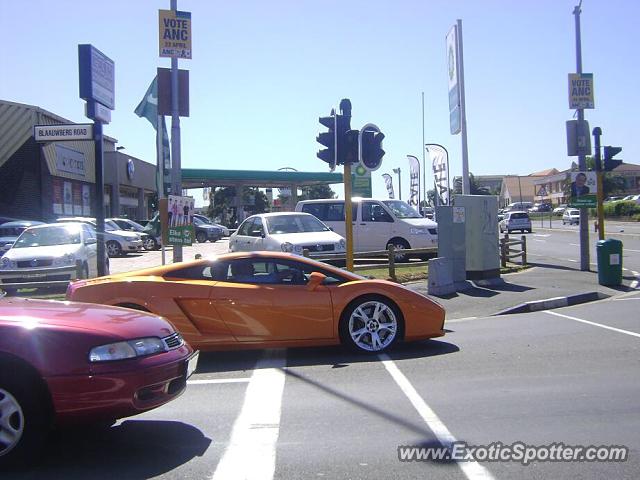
x=192, y=363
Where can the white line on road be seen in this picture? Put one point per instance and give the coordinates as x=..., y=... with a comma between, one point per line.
x=619, y=330
x=541, y=241
x=218, y=380
x=471, y=469
x=630, y=250
x=251, y=453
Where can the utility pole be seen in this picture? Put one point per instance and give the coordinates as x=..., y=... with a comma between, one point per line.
x=597, y=133
x=582, y=162
x=397, y=170
x=176, y=173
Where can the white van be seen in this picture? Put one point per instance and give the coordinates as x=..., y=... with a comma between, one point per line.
x=376, y=223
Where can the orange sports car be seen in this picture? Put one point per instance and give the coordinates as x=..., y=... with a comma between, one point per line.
x=270, y=299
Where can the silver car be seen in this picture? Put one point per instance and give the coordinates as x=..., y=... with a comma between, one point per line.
x=117, y=241
x=51, y=255
x=516, y=220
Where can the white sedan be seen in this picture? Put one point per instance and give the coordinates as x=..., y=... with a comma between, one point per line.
x=571, y=216
x=49, y=256
x=287, y=232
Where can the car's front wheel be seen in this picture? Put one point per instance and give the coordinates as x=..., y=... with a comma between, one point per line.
x=201, y=237
x=371, y=324
x=399, y=244
x=23, y=417
x=150, y=244
x=113, y=248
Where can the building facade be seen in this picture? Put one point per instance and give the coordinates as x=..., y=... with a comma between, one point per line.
x=44, y=181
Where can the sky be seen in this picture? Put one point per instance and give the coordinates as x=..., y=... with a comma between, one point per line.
x=263, y=72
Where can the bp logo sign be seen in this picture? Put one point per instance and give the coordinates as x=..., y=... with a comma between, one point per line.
x=452, y=64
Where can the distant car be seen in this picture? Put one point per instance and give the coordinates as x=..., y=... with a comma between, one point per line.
x=559, y=210
x=64, y=363
x=287, y=232
x=117, y=241
x=613, y=199
x=514, y=220
x=206, y=231
x=268, y=299
x=149, y=242
x=10, y=231
x=48, y=256
x=571, y=216
x=207, y=220
x=540, y=207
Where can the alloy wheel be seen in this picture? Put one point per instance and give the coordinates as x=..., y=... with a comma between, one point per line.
x=11, y=422
x=373, y=326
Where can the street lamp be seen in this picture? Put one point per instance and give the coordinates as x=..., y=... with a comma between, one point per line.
x=397, y=170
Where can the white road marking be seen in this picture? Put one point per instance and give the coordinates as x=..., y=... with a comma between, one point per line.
x=218, y=380
x=540, y=235
x=619, y=330
x=471, y=469
x=251, y=453
x=541, y=241
x=574, y=244
x=630, y=250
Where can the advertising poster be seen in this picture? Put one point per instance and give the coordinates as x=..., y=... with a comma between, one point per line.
x=582, y=188
x=77, y=199
x=57, y=196
x=68, y=198
x=177, y=229
x=86, y=201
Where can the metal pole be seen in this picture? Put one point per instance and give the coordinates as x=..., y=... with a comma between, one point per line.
x=99, y=204
x=424, y=167
x=397, y=170
x=348, y=217
x=582, y=163
x=597, y=132
x=520, y=188
x=176, y=173
x=466, y=188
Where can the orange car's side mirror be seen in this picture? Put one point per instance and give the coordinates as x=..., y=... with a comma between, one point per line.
x=315, y=279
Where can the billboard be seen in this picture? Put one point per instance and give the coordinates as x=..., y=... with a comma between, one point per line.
x=582, y=189
x=176, y=218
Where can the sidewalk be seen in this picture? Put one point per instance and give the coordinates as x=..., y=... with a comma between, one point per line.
x=540, y=282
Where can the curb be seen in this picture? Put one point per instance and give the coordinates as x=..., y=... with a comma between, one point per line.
x=551, y=303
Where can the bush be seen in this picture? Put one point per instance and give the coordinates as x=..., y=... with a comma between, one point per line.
x=621, y=209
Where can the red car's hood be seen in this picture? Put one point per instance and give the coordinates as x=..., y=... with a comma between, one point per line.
x=115, y=321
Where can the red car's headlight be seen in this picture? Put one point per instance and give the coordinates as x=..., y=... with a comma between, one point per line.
x=129, y=349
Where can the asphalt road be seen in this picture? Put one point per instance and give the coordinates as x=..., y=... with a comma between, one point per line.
x=538, y=378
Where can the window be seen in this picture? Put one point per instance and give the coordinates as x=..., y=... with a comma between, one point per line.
x=374, y=212
x=256, y=229
x=271, y=271
x=214, y=271
x=244, y=228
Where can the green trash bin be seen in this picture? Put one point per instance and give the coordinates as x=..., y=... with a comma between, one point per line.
x=609, y=254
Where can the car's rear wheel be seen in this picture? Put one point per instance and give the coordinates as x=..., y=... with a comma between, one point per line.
x=399, y=244
x=201, y=237
x=23, y=417
x=371, y=324
x=150, y=244
x=113, y=248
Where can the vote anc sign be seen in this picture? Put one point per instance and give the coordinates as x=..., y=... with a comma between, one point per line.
x=174, y=34
x=581, y=91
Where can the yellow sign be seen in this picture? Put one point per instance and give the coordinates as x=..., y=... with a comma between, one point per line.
x=174, y=31
x=581, y=91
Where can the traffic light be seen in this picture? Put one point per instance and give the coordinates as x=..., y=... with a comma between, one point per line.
x=609, y=162
x=328, y=139
x=371, y=151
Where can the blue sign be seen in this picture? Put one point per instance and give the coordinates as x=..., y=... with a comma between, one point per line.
x=97, y=76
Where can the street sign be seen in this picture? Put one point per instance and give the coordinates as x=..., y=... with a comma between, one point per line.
x=581, y=91
x=97, y=111
x=62, y=133
x=174, y=34
x=454, y=81
x=582, y=189
x=542, y=192
x=97, y=76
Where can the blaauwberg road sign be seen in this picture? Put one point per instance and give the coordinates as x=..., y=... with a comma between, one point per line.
x=62, y=133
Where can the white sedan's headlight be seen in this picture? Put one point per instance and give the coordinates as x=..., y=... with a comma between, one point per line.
x=297, y=249
x=287, y=247
x=342, y=244
x=419, y=231
x=6, y=264
x=129, y=349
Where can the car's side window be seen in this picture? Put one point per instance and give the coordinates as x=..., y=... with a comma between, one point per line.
x=88, y=232
x=215, y=271
x=256, y=229
x=374, y=212
x=318, y=210
x=244, y=228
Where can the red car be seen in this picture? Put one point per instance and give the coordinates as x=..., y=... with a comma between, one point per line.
x=63, y=363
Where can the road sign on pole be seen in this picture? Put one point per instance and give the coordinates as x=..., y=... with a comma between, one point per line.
x=63, y=132
x=174, y=34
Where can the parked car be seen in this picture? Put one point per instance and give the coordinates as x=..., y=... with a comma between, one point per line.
x=65, y=363
x=519, y=206
x=376, y=223
x=206, y=231
x=48, y=256
x=117, y=242
x=540, y=207
x=207, y=220
x=613, y=198
x=149, y=242
x=559, y=210
x=10, y=231
x=285, y=232
x=571, y=216
x=263, y=299
x=516, y=220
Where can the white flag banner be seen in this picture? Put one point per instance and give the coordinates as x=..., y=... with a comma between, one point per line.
x=440, y=162
x=388, y=181
x=414, y=181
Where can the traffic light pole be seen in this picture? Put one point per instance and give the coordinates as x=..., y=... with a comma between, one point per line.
x=348, y=217
x=582, y=161
x=597, y=132
x=176, y=172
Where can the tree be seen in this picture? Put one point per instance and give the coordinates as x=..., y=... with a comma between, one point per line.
x=314, y=192
x=224, y=207
x=474, y=187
